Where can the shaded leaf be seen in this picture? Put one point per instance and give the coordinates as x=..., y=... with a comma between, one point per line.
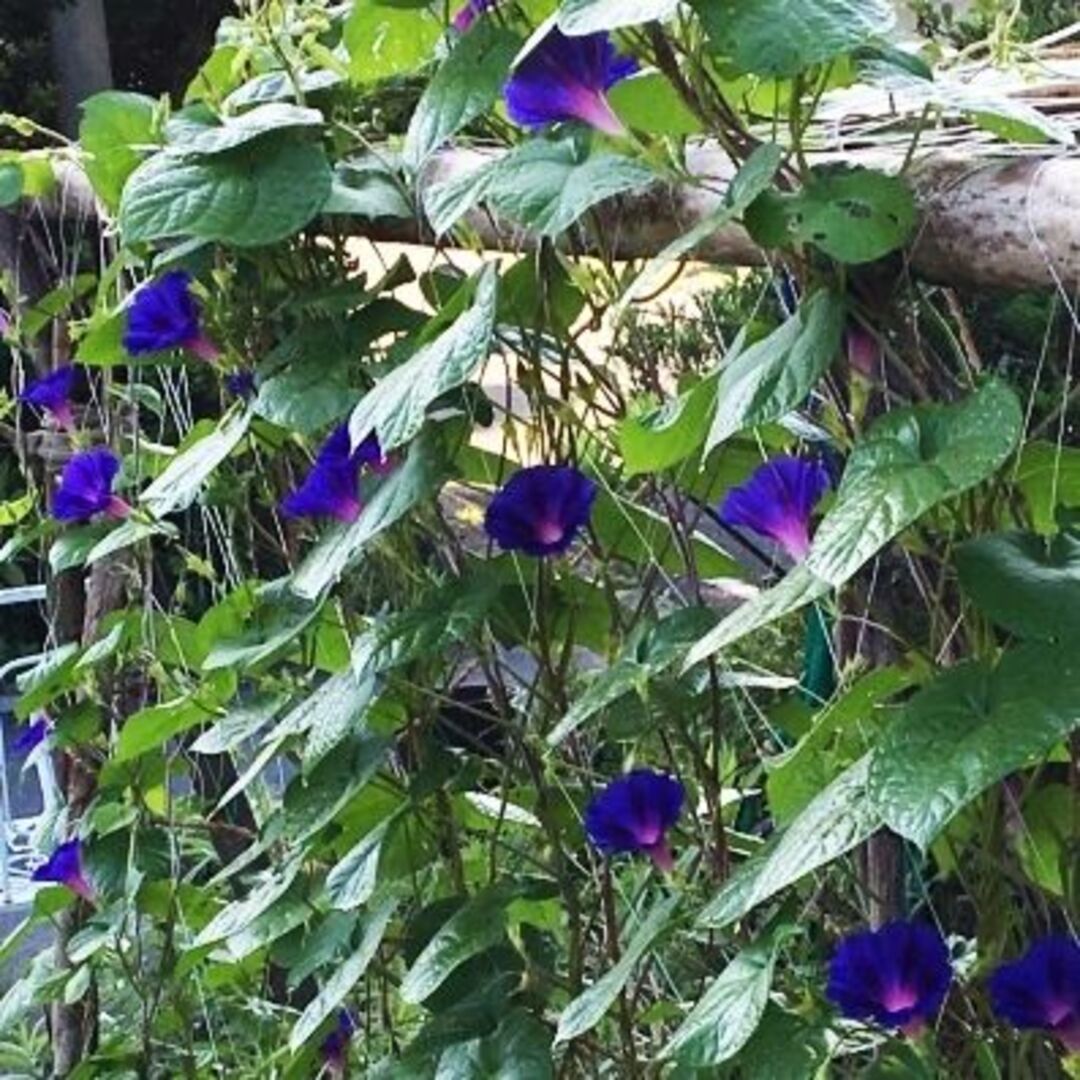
x=1024, y=583
x=589, y=1007
x=396, y=407
x=339, y=984
x=837, y=820
x=176, y=488
x=725, y=1018
x=782, y=38
x=252, y=196
x=768, y=379
x=971, y=727
x=908, y=462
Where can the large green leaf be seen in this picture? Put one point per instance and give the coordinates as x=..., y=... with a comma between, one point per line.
x=115, y=128
x=151, y=727
x=589, y=16
x=589, y=1007
x=841, y=733
x=911, y=460
x=781, y=38
x=254, y=195
x=386, y=39
x=1049, y=477
x=396, y=407
x=345, y=977
x=278, y=617
x=306, y=396
x=855, y=215
x=838, y=819
x=475, y=927
x=240, y=723
x=518, y=1049
x=775, y=375
x=234, y=131
x=1045, y=843
x=176, y=488
x=356, y=695
x=798, y=588
x=352, y=881
x=545, y=184
x=263, y=892
x=366, y=186
x=786, y=1045
x=655, y=440
x=968, y=729
x=647, y=102
x=1024, y=583
x=725, y=1018
x=466, y=85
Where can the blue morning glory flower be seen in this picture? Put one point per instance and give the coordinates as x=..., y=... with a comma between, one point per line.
x=241, y=383
x=777, y=501
x=85, y=488
x=466, y=16
x=567, y=78
x=52, y=392
x=634, y=813
x=332, y=485
x=897, y=976
x=65, y=867
x=165, y=315
x=1042, y=990
x=33, y=735
x=540, y=510
x=335, y=1047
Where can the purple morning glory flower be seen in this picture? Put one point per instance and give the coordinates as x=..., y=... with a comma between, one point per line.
x=65, y=867
x=33, y=735
x=539, y=510
x=897, y=976
x=52, y=392
x=1042, y=990
x=165, y=315
x=634, y=813
x=86, y=487
x=466, y=16
x=335, y=1047
x=241, y=383
x=5, y=322
x=777, y=502
x=331, y=487
x=567, y=78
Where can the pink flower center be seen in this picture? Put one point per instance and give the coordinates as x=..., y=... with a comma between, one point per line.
x=661, y=856
x=1069, y=1033
x=592, y=107
x=898, y=997
x=116, y=508
x=203, y=348
x=794, y=538
x=348, y=510
x=1056, y=1012
x=549, y=532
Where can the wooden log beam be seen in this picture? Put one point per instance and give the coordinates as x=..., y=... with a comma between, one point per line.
x=1006, y=222
x=1010, y=222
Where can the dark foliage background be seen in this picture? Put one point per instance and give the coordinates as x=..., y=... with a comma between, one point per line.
x=156, y=46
